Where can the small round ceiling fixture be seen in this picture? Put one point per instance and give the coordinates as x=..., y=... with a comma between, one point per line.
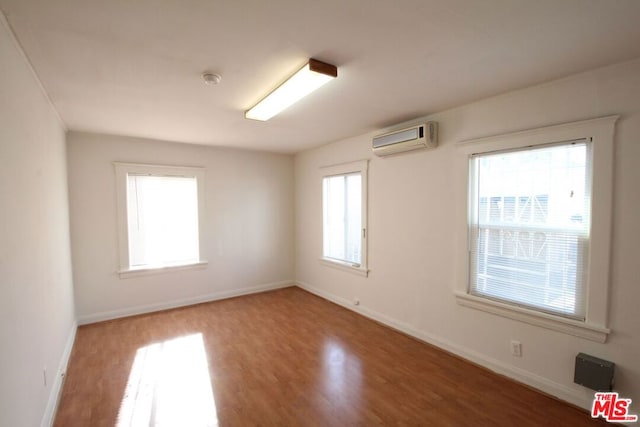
x=211, y=78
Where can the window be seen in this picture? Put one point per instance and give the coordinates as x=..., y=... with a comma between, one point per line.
x=344, y=216
x=529, y=227
x=538, y=229
x=159, y=217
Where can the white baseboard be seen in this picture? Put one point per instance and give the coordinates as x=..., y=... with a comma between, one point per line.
x=545, y=385
x=61, y=373
x=149, y=308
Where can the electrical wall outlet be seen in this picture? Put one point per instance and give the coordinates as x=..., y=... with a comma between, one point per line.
x=516, y=348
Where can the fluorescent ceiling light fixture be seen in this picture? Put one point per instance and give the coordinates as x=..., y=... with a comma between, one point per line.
x=309, y=78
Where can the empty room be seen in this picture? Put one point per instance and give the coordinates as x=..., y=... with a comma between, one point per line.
x=319, y=213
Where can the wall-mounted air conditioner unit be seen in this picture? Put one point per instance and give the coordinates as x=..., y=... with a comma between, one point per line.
x=420, y=136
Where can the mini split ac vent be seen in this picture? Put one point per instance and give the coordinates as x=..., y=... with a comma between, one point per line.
x=413, y=138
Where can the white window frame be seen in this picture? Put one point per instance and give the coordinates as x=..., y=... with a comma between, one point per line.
x=601, y=132
x=361, y=167
x=121, y=171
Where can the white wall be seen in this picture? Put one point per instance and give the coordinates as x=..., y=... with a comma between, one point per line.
x=37, y=323
x=248, y=226
x=417, y=214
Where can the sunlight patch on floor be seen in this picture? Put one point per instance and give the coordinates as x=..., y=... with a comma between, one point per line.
x=169, y=385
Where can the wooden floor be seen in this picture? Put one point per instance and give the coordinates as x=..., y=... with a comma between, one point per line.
x=283, y=358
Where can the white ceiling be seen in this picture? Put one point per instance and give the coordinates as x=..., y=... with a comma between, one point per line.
x=132, y=67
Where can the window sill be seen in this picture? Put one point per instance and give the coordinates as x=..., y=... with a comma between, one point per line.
x=135, y=272
x=568, y=326
x=345, y=266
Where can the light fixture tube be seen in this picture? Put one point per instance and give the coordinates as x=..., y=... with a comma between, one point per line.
x=309, y=78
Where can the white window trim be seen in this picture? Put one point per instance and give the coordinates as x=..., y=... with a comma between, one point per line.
x=121, y=171
x=361, y=166
x=344, y=266
x=136, y=272
x=601, y=132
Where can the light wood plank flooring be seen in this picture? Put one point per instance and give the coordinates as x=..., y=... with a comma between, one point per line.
x=283, y=358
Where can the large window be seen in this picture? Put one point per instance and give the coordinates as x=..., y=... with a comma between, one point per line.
x=344, y=215
x=160, y=211
x=529, y=227
x=536, y=246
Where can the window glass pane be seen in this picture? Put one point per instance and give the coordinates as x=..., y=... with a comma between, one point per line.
x=530, y=227
x=334, y=210
x=342, y=217
x=162, y=218
x=353, y=219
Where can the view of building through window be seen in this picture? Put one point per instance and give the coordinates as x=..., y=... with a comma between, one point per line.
x=530, y=227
